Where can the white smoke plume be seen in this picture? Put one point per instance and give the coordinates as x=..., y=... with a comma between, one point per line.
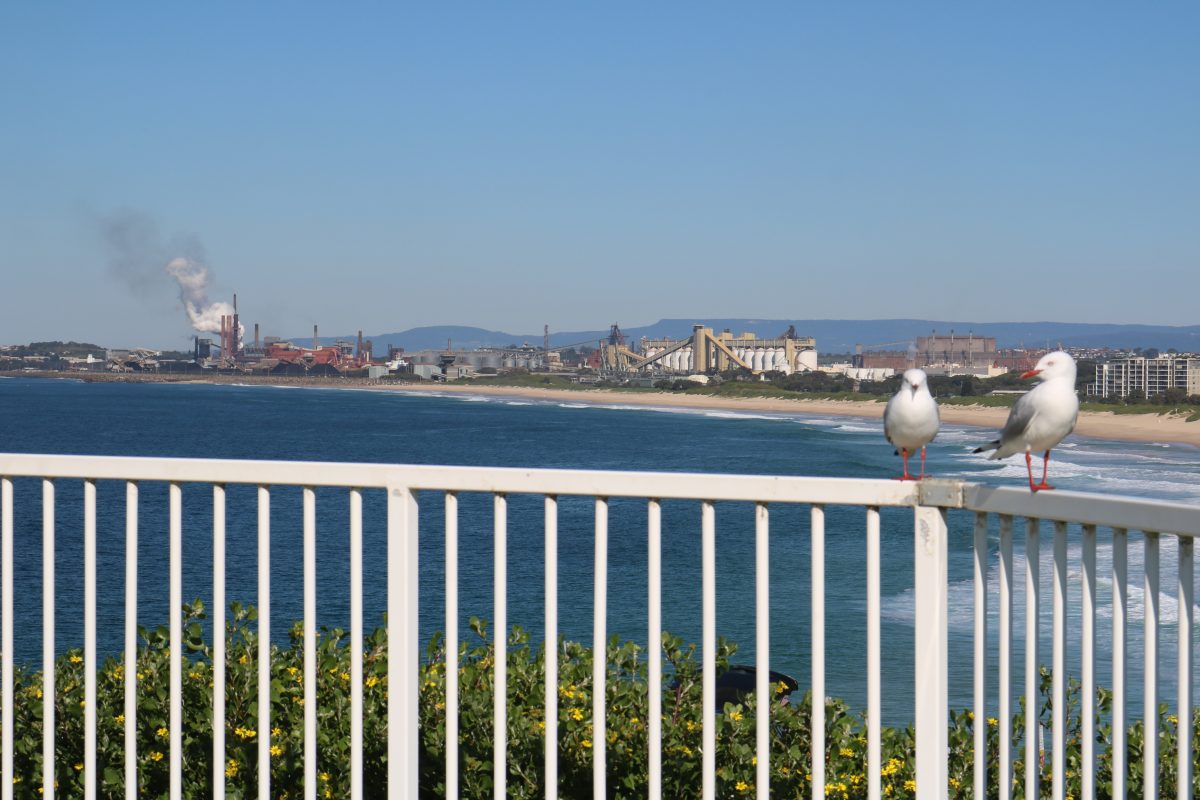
x=192, y=277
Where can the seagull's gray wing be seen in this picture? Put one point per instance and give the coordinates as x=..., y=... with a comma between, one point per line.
x=1024, y=411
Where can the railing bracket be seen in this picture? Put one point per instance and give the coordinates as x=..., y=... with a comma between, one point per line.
x=940, y=492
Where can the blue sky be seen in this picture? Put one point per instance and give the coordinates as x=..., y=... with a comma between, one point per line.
x=380, y=167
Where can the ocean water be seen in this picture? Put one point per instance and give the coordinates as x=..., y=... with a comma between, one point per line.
x=340, y=425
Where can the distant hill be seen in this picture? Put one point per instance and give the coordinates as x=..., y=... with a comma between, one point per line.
x=832, y=335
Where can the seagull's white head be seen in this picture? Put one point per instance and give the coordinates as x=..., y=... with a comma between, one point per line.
x=914, y=380
x=1053, y=365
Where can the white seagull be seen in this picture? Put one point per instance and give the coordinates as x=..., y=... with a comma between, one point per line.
x=1042, y=418
x=910, y=419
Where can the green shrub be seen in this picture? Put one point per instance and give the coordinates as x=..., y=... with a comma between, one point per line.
x=628, y=708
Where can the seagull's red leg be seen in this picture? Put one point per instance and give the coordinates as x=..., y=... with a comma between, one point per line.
x=922, y=463
x=904, y=457
x=1029, y=466
x=1045, y=469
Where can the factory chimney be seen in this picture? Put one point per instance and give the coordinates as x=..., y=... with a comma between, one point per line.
x=256, y=336
x=316, y=341
x=234, y=330
x=359, y=352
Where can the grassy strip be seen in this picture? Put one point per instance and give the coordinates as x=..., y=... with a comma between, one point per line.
x=625, y=733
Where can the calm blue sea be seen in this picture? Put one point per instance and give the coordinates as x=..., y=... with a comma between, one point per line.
x=61, y=416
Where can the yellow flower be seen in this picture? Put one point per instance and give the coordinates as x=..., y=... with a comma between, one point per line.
x=275, y=732
x=298, y=701
x=231, y=770
x=119, y=719
x=1171, y=718
x=371, y=682
x=162, y=733
x=242, y=659
x=993, y=721
x=847, y=752
x=276, y=750
x=576, y=714
x=910, y=785
x=346, y=676
x=324, y=776
x=736, y=716
x=156, y=756
x=78, y=767
x=587, y=743
x=742, y=786
x=75, y=659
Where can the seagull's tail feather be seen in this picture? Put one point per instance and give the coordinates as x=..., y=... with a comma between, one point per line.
x=989, y=446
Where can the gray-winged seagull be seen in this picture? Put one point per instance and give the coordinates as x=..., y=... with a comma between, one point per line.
x=910, y=419
x=1042, y=418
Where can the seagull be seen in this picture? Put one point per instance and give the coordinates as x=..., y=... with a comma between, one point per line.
x=910, y=419
x=1042, y=418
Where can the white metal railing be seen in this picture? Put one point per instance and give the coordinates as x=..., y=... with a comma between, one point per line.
x=932, y=501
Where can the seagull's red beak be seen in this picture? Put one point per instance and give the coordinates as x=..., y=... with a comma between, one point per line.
x=1030, y=373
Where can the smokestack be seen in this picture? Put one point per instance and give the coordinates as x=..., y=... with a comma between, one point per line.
x=256, y=336
x=235, y=330
x=316, y=341
x=359, y=352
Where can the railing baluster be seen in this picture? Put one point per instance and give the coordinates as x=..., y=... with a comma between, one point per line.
x=708, y=638
x=175, y=606
x=218, y=748
x=600, y=651
x=130, y=669
x=264, y=641
x=550, y=712
x=1004, y=657
x=1120, y=604
x=1184, y=728
x=874, y=661
x=404, y=689
x=310, y=643
x=817, y=757
x=451, y=503
x=980, y=688
x=89, y=641
x=1150, y=669
x=762, y=645
x=654, y=645
x=931, y=689
x=1088, y=664
x=1058, y=757
x=356, y=645
x=6, y=638
x=49, y=726
x=1032, y=591
x=500, y=668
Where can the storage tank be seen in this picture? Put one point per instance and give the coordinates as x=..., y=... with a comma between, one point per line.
x=759, y=359
x=688, y=361
x=807, y=359
x=740, y=353
x=509, y=363
x=780, y=363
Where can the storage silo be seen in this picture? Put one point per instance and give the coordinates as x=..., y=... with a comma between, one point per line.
x=778, y=360
x=758, y=359
x=806, y=359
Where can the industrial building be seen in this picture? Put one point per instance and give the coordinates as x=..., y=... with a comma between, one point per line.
x=707, y=352
x=1150, y=376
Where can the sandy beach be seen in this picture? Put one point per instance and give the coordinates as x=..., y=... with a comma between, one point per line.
x=1102, y=425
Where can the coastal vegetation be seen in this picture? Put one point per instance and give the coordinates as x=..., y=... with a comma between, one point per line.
x=626, y=736
x=949, y=390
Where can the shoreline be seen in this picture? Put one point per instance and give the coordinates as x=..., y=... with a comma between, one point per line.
x=1098, y=425
x=1165, y=428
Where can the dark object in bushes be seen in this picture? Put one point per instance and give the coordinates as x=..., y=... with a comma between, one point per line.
x=734, y=684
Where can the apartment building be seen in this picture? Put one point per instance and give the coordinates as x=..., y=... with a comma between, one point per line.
x=1150, y=376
